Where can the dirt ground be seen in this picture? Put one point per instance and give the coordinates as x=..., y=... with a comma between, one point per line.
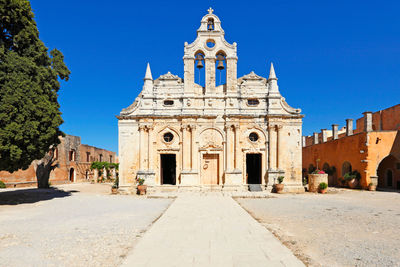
x=72, y=225
x=341, y=228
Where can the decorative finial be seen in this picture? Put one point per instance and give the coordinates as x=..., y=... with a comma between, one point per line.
x=210, y=10
x=272, y=75
x=148, y=73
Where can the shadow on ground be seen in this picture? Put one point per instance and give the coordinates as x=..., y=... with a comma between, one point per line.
x=32, y=195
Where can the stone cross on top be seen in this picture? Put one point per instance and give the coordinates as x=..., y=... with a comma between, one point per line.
x=210, y=10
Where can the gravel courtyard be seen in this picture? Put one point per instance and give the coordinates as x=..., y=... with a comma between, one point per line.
x=76, y=225
x=342, y=228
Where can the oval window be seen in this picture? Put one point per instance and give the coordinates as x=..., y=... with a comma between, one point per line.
x=168, y=137
x=168, y=102
x=253, y=137
x=253, y=102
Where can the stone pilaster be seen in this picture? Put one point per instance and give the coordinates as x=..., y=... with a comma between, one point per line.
x=230, y=147
x=189, y=175
x=233, y=176
x=142, y=146
x=303, y=139
x=280, y=152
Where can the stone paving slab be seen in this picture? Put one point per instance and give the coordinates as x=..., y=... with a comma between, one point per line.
x=209, y=230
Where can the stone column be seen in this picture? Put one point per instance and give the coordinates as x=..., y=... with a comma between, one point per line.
x=324, y=134
x=335, y=131
x=150, y=160
x=193, y=149
x=315, y=138
x=231, y=74
x=349, y=127
x=185, y=147
x=303, y=141
x=237, y=147
x=210, y=75
x=142, y=145
x=368, y=121
x=272, y=147
x=279, y=152
x=230, y=147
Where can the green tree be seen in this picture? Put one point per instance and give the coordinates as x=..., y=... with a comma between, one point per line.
x=29, y=84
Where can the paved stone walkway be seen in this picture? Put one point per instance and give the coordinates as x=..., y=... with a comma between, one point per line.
x=211, y=230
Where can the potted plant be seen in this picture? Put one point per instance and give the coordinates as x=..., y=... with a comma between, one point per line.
x=315, y=178
x=371, y=187
x=322, y=188
x=114, y=188
x=142, y=188
x=352, y=179
x=279, y=186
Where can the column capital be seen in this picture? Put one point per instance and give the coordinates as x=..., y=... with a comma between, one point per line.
x=142, y=127
x=185, y=127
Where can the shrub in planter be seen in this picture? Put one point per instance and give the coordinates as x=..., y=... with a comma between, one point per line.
x=142, y=188
x=279, y=186
x=352, y=178
x=322, y=188
x=371, y=187
x=2, y=184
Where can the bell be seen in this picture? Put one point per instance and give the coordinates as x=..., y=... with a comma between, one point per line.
x=210, y=25
x=200, y=64
x=220, y=65
x=199, y=59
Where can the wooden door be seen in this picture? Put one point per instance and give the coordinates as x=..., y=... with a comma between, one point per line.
x=210, y=169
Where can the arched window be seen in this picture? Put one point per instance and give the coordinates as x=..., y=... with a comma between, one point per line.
x=346, y=167
x=389, y=178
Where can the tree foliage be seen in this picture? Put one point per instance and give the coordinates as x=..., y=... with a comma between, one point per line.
x=29, y=85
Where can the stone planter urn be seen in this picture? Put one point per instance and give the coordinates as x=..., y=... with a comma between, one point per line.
x=315, y=179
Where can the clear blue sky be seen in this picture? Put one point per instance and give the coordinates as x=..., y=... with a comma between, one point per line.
x=334, y=59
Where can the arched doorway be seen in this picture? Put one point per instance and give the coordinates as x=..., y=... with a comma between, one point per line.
x=388, y=175
x=72, y=175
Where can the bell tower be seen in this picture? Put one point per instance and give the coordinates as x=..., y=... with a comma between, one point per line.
x=211, y=51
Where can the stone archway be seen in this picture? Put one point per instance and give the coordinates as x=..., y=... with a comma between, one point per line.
x=388, y=175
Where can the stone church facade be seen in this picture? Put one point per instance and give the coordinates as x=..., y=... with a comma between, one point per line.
x=238, y=132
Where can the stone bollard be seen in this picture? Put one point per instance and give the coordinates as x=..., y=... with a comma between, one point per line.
x=315, y=179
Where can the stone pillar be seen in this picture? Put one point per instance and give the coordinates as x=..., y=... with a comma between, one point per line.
x=315, y=138
x=368, y=121
x=349, y=127
x=210, y=75
x=280, y=151
x=188, y=68
x=335, y=131
x=186, y=147
x=324, y=134
x=230, y=147
x=142, y=146
x=231, y=74
x=303, y=139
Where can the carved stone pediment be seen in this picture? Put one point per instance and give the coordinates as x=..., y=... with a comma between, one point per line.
x=251, y=77
x=169, y=77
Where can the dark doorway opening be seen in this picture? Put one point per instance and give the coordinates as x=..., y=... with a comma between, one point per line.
x=71, y=174
x=168, y=169
x=253, y=168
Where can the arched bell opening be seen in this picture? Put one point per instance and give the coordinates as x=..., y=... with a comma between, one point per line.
x=220, y=68
x=200, y=73
x=210, y=24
